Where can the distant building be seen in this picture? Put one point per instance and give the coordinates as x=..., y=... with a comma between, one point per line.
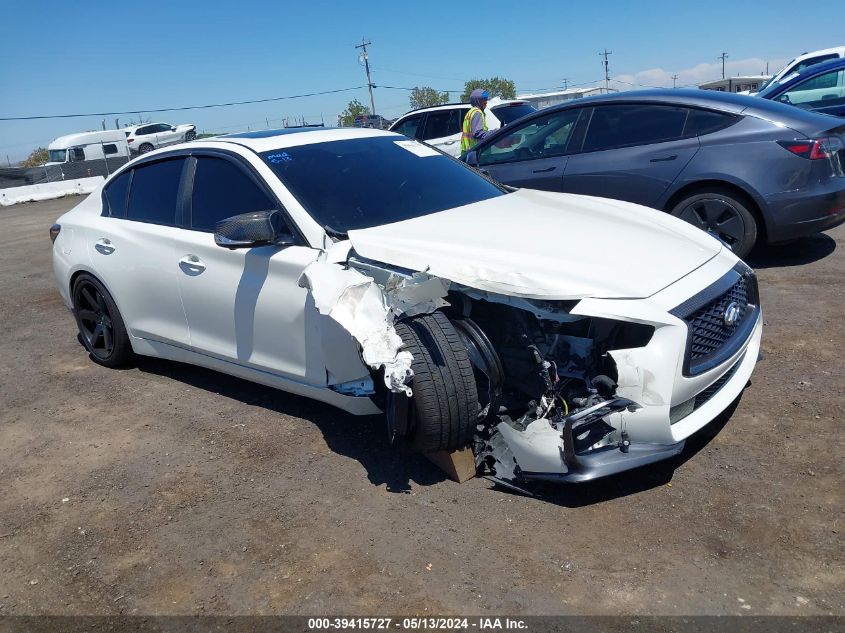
x=750, y=83
x=545, y=99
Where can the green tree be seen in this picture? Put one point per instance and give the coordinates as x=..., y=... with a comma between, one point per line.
x=37, y=157
x=355, y=108
x=496, y=86
x=424, y=97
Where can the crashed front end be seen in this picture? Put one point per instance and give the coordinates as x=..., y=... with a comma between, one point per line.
x=568, y=390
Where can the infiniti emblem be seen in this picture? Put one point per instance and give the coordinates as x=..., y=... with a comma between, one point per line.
x=731, y=314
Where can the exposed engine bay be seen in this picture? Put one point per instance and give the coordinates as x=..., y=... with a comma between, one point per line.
x=542, y=375
x=551, y=370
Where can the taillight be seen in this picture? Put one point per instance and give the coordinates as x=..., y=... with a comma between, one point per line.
x=54, y=232
x=813, y=149
x=130, y=140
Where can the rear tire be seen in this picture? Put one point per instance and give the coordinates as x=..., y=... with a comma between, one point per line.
x=101, y=327
x=444, y=408
x=145, y=147
x=723, y=214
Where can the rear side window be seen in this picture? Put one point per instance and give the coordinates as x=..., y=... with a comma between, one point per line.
x=110, y=148
x=442, y=123
x=222, y=190
x=115, y=196
x=634, y=124
x=154, y=195
x=701, y=122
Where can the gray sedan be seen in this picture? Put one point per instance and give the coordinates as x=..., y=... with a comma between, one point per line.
x=742, y=168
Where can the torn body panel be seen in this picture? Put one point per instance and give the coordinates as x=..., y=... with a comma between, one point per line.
x=568, y=390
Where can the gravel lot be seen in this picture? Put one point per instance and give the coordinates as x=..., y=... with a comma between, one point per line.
x=167, y=489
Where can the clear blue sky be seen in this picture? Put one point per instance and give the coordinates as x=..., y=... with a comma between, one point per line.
x=62, y=57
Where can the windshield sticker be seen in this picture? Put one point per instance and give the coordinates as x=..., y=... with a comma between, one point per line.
x=417, y=148
x=279, y=157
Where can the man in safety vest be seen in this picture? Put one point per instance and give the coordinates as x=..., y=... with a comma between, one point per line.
x=475, y=124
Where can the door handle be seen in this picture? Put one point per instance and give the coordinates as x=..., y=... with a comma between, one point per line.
x=449, y=142
x=104, y=246
x=191, y=264
x=547, y=169
x=664, y=159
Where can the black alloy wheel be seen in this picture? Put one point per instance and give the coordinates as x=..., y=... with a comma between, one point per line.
x=100, y=324
x=723, y=216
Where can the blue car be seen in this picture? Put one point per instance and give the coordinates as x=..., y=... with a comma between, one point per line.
x=820, y=88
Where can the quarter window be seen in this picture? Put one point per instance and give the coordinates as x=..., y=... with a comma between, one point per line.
x=701, y=122
x=154, y=194
x=625, y=125
x=222, y=190
x=115, y=195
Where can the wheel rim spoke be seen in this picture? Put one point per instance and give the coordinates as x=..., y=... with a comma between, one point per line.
x=107, y=339
x=92, y=303
x=88, y=316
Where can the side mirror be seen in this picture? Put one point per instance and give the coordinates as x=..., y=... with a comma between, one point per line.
x=247, y=230
x=472, y=158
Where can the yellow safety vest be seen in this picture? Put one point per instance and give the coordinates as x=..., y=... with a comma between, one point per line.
x=467, y=140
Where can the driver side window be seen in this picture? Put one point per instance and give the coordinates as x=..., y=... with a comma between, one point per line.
x=543, y=137
x=826, y=89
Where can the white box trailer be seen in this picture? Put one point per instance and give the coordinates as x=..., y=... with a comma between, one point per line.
x=88, y=146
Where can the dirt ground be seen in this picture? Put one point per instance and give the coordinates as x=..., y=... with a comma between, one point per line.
x=168, y=489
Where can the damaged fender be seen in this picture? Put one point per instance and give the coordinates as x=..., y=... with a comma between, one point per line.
x=367, y=311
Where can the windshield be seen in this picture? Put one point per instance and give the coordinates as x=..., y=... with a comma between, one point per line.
x=364, y=182
x=58, y=156
x=510, y=113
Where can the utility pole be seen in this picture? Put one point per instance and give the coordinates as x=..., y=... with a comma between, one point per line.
x=606, y=69
x=565, y=83
x=674, y=81
x=723, y=56
x=363, y=45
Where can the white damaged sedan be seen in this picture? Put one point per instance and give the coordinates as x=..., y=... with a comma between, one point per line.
x=562, y=337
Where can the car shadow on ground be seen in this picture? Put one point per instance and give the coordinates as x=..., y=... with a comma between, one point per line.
x=363, y=438
x=802, y=251
x=632, y=481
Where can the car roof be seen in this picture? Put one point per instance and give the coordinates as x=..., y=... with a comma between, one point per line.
x=267, y=140
x=491, y=103
x=713, y=99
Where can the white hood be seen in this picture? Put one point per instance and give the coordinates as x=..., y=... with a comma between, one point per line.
x=543, y=245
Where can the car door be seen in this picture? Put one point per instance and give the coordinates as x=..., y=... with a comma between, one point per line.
x=243, y=305
x=631, y=152
x=442, y=129
x=533, y=154
x=164, y=135
x=131, y=249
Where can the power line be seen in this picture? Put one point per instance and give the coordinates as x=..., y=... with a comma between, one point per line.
x=179, y=109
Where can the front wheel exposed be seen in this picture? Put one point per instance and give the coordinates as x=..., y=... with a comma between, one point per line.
x=101, y=326
x=722, y=214
x=444, y=408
